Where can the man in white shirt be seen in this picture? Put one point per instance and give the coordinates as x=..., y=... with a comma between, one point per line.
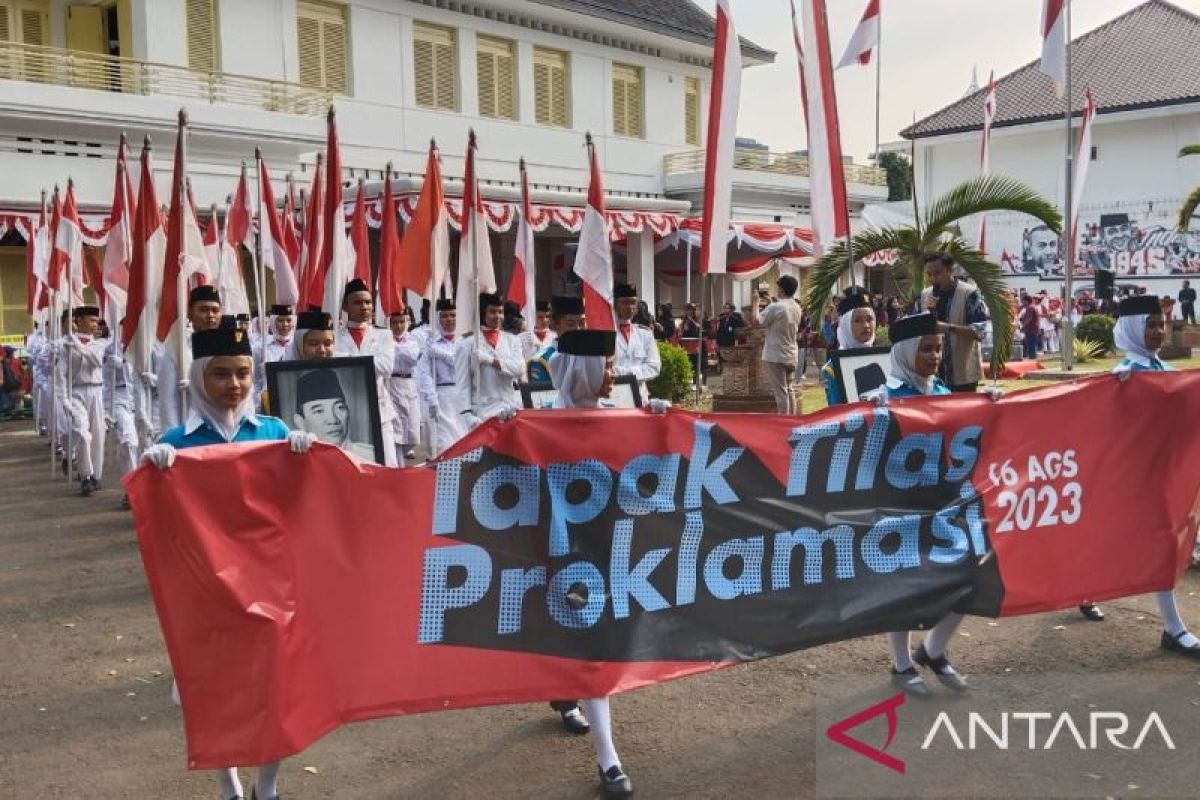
x=540, y=337
x=85, y=361
x=637, y=352
x=169, y=377
x=782, y=320
x=435, y=380
x=359, y=337
x=406, y=428
x=487, y=369
x=126, y=409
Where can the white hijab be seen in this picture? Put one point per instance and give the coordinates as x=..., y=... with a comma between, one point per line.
x=845, y=331
x=274, y=334
x=292, y=353
x=903, y=369
x=578, y=380
x=1130, y=338
x=224, y=421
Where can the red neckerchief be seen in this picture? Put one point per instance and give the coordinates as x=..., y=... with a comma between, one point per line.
x=541, y=335
x=492, y=337
x=357, y=335
x=625, y=330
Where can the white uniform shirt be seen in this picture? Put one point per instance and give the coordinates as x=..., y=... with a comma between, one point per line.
x=436, y=368
x=531, y=345
x=638, y=356
x=495, y=390
x=377, y=343
x=87, y=361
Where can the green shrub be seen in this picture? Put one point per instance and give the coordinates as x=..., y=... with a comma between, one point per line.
x=1097, y=328
x=674, y=382
x=882, y=338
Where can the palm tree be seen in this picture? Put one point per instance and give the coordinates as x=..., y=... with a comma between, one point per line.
x=1193, y=200
x=938, y=231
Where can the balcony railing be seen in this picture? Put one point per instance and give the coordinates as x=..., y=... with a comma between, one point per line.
x=52, y=65
x=764, y=161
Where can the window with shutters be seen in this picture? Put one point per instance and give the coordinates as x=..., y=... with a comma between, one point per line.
x=202, y=36
x=323, y=43
x=496, y=70
x=25, y=22
x=435, y=66
x=627, y=100
x=691, y=110
x=551, y=80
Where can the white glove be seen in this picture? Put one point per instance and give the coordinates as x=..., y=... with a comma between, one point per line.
x=507, y=413
x=150, y=380
x=184, y=383
x=658, y=406
x=68, y=344
x=879, y=397
x=114, y=360
x=994, y=393
x=472, y=421
x=301, y=441
x=1122, y=371
x=108, y=423
x=160, y=455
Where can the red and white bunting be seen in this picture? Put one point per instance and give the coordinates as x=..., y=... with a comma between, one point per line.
x=724, y=100
x=522, y=289
x=1054, y=43
x=865, y=38
x=476, y=272
x=274, y=240
x=1082, y=159
x=593, y=259
x=989, y=116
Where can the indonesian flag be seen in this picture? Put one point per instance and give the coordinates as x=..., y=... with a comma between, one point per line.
x=145, y=271
x=1054, y=43
x=724, y=98
x=291, y=236
x=37, y=254
x=989, y=116
x=424, y=260
x=358, y=236
x=311, y=288
x=274, y=239
x=1008, y=261
x=593, y=260
x=826, y=177
x=1082, y=159
x=334, y=264
x=203, y=271
x=865, y=38
x=391, y=288
x=222, y=251
x=239, y=223
x=118, y=251
x=184, y=254
x=522, y=289
x=66, y=264
x=92, y=277
x=475, y=271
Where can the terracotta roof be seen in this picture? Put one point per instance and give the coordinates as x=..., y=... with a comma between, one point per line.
x=681, y=19
x=1144, y=58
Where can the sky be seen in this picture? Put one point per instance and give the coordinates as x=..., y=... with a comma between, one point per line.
x=929, y=49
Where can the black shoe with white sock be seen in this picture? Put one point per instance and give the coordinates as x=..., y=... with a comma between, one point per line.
x=941, y=667
x=1175, y=644
x=615, y=782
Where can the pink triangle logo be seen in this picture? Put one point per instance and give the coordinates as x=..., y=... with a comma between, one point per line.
x=838, y=732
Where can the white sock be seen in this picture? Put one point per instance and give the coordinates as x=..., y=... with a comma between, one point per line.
x=901, y=654
x=939, y=636
x=598, y=715
x=1172, y=622
x=230, y=785
x=266, y=782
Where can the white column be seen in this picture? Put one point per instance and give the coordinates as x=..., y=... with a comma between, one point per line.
x=640, y=263
x=526, y=112
x=468, y=79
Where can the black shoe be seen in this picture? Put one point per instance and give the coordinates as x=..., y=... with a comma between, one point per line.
x=1171, y=644
x=1092, y=612
x=66, y=467
x=615, y=782
x=254, y=795
x=910, y=682
x=125, y=502
x=95, y=484
x=941, y=667
x=85, y=487
x=575, y=722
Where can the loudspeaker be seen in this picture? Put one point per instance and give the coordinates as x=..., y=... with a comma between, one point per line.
x=1105, y=283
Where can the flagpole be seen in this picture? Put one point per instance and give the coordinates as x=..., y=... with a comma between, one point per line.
x=71, y=336
x=878, y=80
x=54, y=325
x=1068, y=337
x=181, y=274
x=468, y=213
x=260, y=270
x=687, y=275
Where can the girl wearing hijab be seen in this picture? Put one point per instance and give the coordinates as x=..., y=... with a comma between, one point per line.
x=281, y=325
x=440, y=395
x=313, y=338
x=222, y=412
x=1140, y=333
x=855, y=330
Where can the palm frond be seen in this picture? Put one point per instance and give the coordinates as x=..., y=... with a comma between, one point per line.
x=993, y=290
x=823, y=277
x=982, y=194
x=1188, y=209
x=1190, y=150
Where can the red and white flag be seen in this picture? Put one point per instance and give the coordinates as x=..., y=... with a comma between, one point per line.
x=830, y=215
x=37, y=254
x=724, y=99
x=145, y=271
x=273, y=236
x=118, y=250
x=92, y=277
x=1082, y=160
x=593, y=259
x=335, y=257
x=221, y=250
x=66, y=263
x=475, y=271
x=424, y=259
x=989, y=116
x=522, y=288
x=1054, y=43
x=311, y=288
x=359, y=242
x=865, y=38
x=184, y=255
x=291, y=235
x=239, y=224
x=391, y=288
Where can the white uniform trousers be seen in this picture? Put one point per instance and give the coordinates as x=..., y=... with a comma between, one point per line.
x=87, y=428
x=406, y=426
x=448, y=423
x=125, y=427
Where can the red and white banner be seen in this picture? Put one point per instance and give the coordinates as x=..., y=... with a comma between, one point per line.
x=954, y=503
x=476, y=273
x=989, y=116
x=1054, y=43
x=1082, y=160
x=522, y=288
x=593, y=259
x=145, y=272
x=865, y=38
x=829, y=211
x=723, y=103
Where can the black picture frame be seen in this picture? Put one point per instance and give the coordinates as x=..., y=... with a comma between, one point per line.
x=356, y=376
x=541, y=394
x=867, y=368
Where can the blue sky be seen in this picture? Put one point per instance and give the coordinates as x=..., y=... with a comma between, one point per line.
x=929, y=49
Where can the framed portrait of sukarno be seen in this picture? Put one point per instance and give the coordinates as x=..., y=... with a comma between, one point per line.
x=334, y=399
x=861, y=370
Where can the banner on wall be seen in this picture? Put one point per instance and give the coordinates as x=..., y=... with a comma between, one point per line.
x=1116, y=242
x=581, y=553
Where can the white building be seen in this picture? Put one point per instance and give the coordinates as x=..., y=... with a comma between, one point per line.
x=1141, y=68
x=530, y=76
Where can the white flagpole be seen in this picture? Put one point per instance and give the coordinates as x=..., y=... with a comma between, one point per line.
x=71, y=336
x=1068, y=337
x=260, y=271
x=878, y=78
x=181, y=277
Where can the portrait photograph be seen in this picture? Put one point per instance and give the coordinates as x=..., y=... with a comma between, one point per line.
x=625, y=394
x=333, y=399
x=861, y=370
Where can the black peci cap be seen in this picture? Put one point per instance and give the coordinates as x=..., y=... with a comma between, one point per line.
x=912, y=327
x=319, y=384
x=220, y=342
x=624, y=290
x=488, y=300
x=203, y=294
x=85, y=311
x=561, y=305
x=445, y=304
x=282, y=311
x=356, y=285
x=542, y=305
x=588, y=343
x=314, y=321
